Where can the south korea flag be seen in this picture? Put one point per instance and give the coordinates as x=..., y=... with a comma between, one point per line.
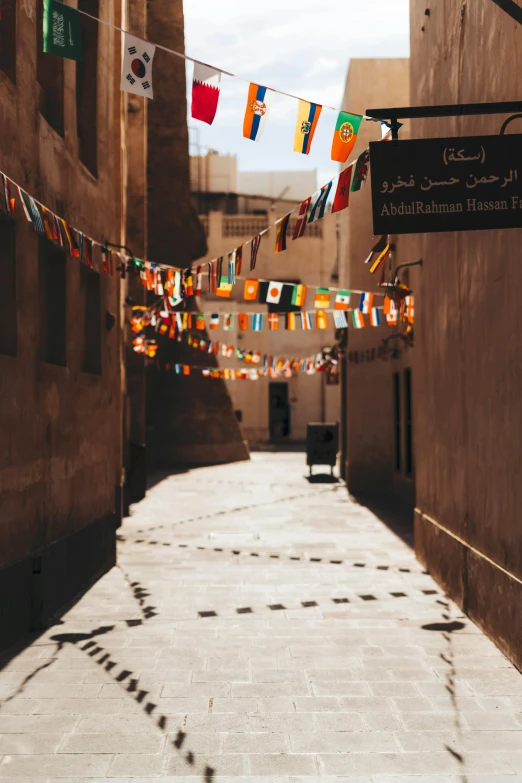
x=136, y=74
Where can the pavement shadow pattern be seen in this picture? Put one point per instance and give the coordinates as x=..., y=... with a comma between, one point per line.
x=285, y=635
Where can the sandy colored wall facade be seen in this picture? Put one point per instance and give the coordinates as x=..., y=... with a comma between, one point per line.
x=368, y=453
x=310, y=260
x=60, y=461
x=467, y=372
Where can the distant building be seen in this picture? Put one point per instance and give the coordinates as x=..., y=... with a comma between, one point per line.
x=273, y=410
x=292, y=185
x=216, y=173
x=377, y=442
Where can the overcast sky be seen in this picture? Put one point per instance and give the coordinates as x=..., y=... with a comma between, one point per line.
x=299, y=46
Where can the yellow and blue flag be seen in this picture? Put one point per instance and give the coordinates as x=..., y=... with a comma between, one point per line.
x=307, y=118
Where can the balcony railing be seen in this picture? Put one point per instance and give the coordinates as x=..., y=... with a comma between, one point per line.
x=249, y=226
x=243, y=225
x=314, y=230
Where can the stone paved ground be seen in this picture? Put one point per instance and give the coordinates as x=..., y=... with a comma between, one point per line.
x=231, y=645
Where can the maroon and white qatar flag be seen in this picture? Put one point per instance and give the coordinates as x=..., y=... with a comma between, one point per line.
x=302, y=219
x=205, y=92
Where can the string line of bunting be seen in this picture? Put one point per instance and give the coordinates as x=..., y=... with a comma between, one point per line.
x=149, y=348
x=58, y=18
x=176, y=284
x=177, y=325
x=171, y=322
x=62, y=35
x=221, y=275
x=223, y=271
x=308, y=366
x=280, y=366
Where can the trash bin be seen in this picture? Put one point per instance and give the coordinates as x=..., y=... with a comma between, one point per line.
x=322, y=444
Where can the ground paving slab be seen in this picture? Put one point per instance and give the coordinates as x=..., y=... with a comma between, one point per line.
x=261, y=628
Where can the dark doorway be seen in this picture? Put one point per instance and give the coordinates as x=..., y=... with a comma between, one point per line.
x=397, y=428
x=408, y=434
x=279, y=411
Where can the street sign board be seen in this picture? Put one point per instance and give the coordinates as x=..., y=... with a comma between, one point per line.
x=453, y=184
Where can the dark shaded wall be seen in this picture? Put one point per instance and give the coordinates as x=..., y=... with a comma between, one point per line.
x=60, y=455
x=467, y=369
x=190, y=420
x=135, y=178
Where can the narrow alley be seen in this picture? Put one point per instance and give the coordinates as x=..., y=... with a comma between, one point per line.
x=261, y=627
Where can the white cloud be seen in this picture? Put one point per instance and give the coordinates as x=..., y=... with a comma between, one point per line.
x=299, y=46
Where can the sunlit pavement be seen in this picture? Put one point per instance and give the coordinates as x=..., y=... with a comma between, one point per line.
x=259, y=627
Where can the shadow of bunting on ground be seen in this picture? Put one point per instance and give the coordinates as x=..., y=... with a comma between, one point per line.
x=295, y=558
x=130, y=684
x=315, y=604
x=148, y=612
x=213, y=514
x=124, y=678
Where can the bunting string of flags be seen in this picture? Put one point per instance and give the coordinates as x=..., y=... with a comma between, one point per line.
x=137, y=78
x=178, y=325
x=248, y=356
x=156, y=277
x=175, y=284
x=138, y=55
x=168, y=321
x=280, y=365
x=274, y=366
x=313, y=208
x=303, y=367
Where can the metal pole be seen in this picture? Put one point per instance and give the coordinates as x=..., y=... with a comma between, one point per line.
x=444, y=110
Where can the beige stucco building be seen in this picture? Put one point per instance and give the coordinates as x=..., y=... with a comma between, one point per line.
x=457, y=426
x=376, y=447
x=467, y=371
x=280, y=409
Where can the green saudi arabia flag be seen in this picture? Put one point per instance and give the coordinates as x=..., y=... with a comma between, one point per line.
x=62, y=33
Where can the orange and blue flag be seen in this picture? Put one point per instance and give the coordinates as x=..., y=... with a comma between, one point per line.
x=256, y=113
x=307, y=118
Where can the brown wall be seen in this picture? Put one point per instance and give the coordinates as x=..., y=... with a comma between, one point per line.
x=190, y=420
x=60, y=456
x=467, y=372
x=368, y=450
x=135, y=178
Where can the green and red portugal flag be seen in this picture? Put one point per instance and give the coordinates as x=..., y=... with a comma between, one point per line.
x=62, y=34
x=345, y=135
